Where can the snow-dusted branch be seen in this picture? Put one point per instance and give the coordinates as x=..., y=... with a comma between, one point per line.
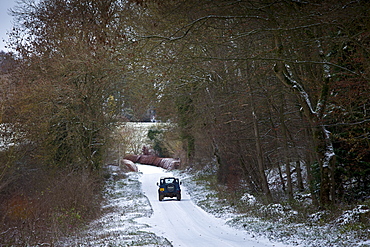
x=329, y=149
x=298, y=87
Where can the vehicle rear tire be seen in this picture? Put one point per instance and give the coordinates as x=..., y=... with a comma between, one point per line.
x=160, y=197
x=178, y=197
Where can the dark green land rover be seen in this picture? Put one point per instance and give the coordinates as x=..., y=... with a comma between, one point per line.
x=169, y=187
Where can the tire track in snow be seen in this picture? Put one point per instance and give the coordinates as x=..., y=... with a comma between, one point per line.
x=185, y=224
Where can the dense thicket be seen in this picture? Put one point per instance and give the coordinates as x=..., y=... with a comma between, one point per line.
x=256, y=88
x=264, y=86
x=64, y=100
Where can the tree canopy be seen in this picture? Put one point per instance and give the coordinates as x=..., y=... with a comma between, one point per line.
x=253, y=86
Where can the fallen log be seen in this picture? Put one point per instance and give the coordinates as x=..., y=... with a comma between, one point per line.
x=166, y=163
x=130, y=165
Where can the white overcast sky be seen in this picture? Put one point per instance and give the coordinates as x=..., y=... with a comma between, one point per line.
x=5, y=21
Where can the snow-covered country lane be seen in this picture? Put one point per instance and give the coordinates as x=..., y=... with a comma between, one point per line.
x=133, y=216
x=183, y=223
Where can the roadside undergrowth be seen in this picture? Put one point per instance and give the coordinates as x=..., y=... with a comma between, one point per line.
x=295, y=222
x=124, y=202
x=41, y=207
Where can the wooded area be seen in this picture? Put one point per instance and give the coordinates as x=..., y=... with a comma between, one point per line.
x=257, y=86
x=254, y=87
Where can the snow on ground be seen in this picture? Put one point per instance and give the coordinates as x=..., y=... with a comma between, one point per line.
x=133, y=216
x=125, y=203
x=185, y=224
x=6, y=136
x=282, y=227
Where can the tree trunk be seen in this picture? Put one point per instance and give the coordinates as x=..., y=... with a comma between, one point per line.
x=286, y=150
x=221, y=170
x=299, y=176
x=261, y=167
x=320, y=136
x=249, y=173
x=281, y=177
x=310, y=160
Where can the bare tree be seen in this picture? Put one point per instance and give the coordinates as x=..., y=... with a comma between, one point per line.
x=300, y=41
x=72, y=66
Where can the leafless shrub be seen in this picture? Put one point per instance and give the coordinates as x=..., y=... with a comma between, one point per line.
x=50, y=207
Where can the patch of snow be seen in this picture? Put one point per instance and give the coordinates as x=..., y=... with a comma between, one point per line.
x=249, y=199
x=353, y=216
x=125, y=203
x=282, y=224
x=7, y=136
x=317, y=217
x=274, y=209
x=304, y=198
